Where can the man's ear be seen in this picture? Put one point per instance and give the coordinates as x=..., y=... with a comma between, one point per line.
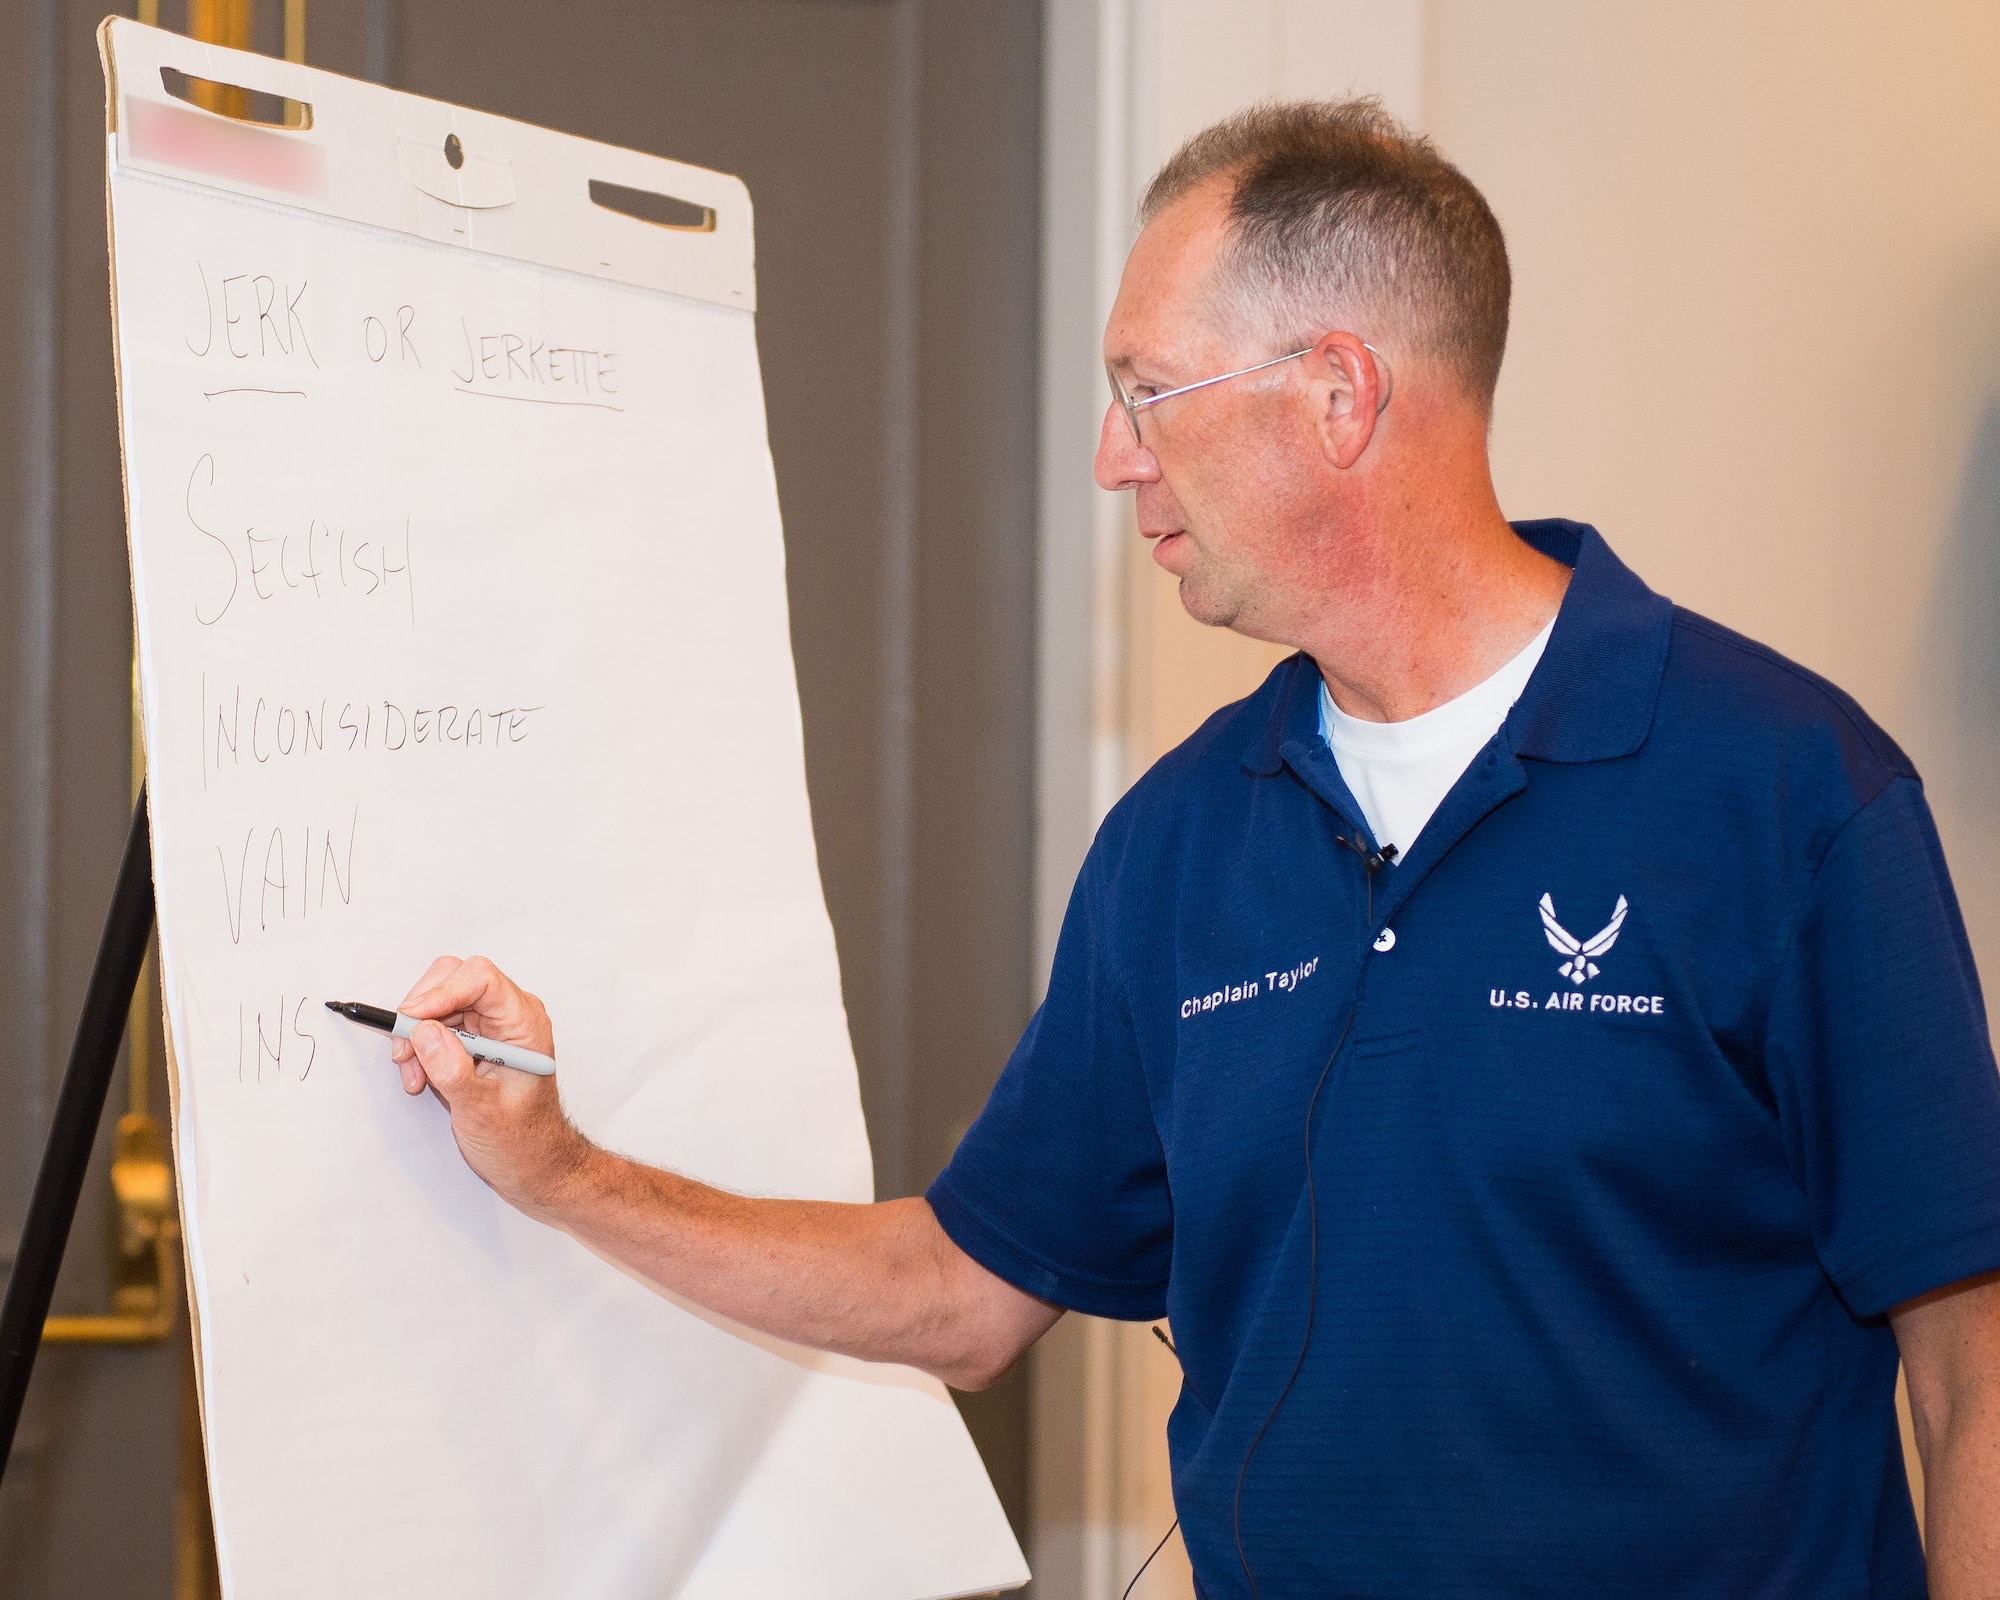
x=1350, y=387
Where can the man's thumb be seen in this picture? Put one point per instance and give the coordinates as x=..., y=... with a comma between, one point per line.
x=444, y=1058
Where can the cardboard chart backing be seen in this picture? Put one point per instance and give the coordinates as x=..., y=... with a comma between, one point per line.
x=461, y=626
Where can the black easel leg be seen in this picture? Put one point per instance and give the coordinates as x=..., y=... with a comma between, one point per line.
x=79, y=1108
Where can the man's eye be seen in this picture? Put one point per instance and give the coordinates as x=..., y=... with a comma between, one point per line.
x=1143, y=391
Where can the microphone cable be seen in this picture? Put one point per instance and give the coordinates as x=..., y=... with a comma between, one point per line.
x=1161, y=1334
x=1374, y=861
x=1127, y=1595
x=1312, y=1303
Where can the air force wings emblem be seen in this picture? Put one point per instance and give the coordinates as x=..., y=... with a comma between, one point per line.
x=1580, y=963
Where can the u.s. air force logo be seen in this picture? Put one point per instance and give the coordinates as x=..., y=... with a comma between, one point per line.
x=1579, y=965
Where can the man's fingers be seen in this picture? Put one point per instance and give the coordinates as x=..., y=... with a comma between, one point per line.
x=478, y=997
x=463, y=986
x=441, y=1057
x=434, y=974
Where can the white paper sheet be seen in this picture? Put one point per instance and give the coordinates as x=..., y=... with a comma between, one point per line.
x=462, y=628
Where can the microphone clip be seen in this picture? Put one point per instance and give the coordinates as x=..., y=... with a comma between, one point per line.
x=1373, y=860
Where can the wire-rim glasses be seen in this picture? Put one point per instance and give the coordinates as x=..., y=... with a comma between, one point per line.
x=1132, y=407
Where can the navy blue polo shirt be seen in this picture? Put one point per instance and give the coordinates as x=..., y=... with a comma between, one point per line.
x=1635, y=1097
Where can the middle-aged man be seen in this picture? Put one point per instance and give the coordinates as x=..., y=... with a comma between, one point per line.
x=1529, y=1047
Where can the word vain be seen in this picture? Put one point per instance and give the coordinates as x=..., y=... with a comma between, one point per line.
x=1232, y=993
x=1520, y=1000
x=318, y=562
x=278, y=1036
x=260, y=730
x=282, y=887
x=254, y=316
x=518, y=366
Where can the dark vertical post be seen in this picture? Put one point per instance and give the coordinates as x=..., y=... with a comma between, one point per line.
x=92, y=1060
x=379, y=63
x=899, y=1168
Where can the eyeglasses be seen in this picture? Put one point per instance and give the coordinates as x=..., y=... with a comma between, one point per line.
x=1132, y=407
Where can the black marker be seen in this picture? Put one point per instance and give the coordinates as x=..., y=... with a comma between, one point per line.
x=395, y=1023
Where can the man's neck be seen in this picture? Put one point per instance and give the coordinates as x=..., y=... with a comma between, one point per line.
x=1428, y=608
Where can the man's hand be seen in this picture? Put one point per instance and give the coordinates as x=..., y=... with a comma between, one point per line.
x=509, y=1125
x=1950, y=1341
x=883, y=1282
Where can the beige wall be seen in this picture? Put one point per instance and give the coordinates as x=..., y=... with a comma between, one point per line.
x=1757, y=333
x=1756, y=341
x=1756, y=329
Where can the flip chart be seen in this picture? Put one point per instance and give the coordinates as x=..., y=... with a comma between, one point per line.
x=461, y=623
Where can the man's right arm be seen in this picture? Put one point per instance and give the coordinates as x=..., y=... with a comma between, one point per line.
x=882, y=1282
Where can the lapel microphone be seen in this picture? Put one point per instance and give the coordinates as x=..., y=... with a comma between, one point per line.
x=1373, y=860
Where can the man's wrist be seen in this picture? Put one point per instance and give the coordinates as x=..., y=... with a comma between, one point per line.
x=573, y=1176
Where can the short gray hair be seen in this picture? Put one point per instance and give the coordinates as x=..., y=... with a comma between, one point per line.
x=1338, y=206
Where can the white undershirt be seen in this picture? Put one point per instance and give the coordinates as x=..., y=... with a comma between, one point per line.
x=1400, y=771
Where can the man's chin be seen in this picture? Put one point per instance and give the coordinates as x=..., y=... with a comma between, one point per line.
x=1210, y=609
x=1200, y=596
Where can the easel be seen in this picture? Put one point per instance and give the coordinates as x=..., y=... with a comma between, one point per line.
x=93, y=1059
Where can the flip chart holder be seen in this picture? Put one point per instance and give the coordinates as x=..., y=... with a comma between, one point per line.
x=271, y=130
x=93, y=1058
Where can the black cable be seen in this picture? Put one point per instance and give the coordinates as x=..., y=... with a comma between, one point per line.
x=1312, y=1303
x=1127, y=1595
x=1161, y=1334
x=1374, y=861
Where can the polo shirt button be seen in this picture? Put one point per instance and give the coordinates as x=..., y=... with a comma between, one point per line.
x=1386, y=939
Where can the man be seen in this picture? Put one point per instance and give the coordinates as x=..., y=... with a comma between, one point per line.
x=1529, y=1047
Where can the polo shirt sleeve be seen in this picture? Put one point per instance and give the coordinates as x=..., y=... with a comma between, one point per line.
x=1882, y=1066
x=1060, y=1187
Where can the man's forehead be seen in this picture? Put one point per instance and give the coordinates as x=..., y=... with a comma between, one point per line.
x=1168, y=276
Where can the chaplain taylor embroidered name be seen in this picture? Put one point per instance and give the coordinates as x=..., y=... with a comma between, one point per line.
x=1249, y=989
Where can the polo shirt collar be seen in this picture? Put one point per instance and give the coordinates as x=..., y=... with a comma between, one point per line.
x=1592, y=695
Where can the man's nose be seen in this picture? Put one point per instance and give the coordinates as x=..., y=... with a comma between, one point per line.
x=1122, y=462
